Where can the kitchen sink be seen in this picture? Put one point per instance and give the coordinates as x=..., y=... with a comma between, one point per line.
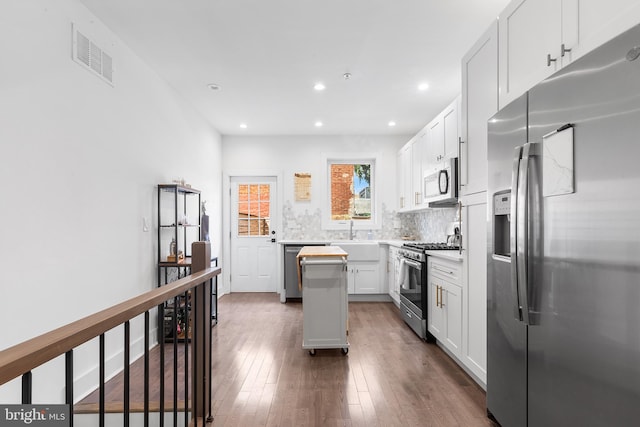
x=359, y=250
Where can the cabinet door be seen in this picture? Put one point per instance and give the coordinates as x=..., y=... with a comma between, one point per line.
x=396, y=285
x=367, y=278
x=530, y=30
x=390, y=275
x=404, y=177
x=416, y=171
x=452, y=302
x=451, y=128
x=479, y=102
x=393, y=264
x=435, y=317
x=435, y=147
x=474, y=218
x=351, y=279
x=586, y=24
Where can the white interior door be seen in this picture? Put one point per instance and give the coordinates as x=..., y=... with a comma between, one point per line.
x=253, y=234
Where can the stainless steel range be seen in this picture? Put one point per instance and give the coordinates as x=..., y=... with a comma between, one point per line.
x=414, y=286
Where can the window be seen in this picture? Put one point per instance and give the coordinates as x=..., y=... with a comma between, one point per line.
x=350, y=193
x=253, y=209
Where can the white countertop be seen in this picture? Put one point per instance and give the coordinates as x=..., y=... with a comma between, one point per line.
x=397, y=243
x=451, y=255
x=304, y=242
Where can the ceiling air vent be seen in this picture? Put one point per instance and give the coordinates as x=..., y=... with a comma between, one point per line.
x=91, y=57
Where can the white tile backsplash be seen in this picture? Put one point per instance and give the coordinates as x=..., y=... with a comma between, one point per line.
x=428, y=225
x=308, y=226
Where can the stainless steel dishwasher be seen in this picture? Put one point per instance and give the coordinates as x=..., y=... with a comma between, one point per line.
x=291, y=290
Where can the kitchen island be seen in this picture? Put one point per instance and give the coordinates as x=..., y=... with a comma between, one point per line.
x=325, y=305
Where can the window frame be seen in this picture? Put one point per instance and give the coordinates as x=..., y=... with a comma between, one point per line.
x=376, y=206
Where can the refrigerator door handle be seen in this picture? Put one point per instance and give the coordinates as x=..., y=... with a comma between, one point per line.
x=514, y=233
x=523, y=221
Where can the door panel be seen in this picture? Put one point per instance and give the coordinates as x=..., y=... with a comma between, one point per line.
x=479, y=103
x=506, y=336
x=584, y=351
x=253, y=221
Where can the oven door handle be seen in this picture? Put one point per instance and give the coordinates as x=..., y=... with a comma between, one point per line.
x=413, y=264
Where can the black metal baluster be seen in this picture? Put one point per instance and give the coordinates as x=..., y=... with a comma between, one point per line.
x=68, y=383
x=26, y=388
x=194, y=347
x=186, y=359
x=146, y=369
x=206, y=318
x=101, y=393
x=161, y=344
x=174, y=332
x=210, y=349
x=127, y=373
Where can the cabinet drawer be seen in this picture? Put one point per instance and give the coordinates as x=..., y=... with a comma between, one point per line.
x=449, y=270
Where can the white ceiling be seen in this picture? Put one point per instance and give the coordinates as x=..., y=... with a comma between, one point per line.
x=266, y=55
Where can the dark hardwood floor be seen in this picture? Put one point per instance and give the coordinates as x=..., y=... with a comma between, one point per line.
x=263, y=377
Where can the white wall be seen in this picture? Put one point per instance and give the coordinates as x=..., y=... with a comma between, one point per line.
x=287, y=155
x=291, y=154
x=79, y=163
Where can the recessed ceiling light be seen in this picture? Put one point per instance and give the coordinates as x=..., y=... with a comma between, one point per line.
x=213, y=86
x=318, y=124
x=392, y=123
x=243, y=125
x=319, y=86
x=423, y=86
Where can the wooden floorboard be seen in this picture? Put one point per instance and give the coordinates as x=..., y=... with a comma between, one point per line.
x=263, y=377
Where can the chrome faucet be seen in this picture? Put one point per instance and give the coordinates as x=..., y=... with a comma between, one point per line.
x=351, y=234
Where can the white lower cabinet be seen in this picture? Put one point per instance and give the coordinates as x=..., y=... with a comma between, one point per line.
x=363, y=277
x=445, y=303
x=393, y=272
x=474, y=231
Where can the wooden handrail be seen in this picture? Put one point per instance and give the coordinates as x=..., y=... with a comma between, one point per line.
x=23, y=357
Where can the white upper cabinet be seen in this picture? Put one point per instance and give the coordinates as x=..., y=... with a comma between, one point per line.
x=436, y=143
x=404, y=177
x=586, y=24
x=443, y=133
x=418, y=148
x=425, y=153
x=451, y=123
x=479, y=103
x=529, y=45
x=538, y=37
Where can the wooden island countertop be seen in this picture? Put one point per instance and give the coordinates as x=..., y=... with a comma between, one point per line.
x=312, y=251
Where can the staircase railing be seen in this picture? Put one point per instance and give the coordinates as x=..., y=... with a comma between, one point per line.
x=194, y=290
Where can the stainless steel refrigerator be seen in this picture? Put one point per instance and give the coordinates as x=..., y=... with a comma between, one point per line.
x=564, y=246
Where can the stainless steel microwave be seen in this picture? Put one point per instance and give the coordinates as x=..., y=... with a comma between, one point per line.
x=441, y=185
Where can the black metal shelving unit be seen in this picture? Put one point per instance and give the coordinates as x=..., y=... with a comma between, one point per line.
x=179, y=218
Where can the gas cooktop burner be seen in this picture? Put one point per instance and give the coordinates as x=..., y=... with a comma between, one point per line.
x=422, y=246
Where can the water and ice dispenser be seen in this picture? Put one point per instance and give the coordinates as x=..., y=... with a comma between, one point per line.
x=502, y=223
